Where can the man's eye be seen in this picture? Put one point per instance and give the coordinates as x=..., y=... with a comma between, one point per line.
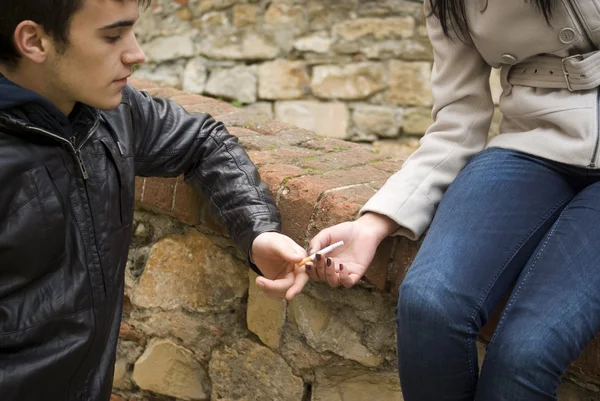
x=113, y=39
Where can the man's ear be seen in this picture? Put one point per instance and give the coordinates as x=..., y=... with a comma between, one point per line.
x=32, y=42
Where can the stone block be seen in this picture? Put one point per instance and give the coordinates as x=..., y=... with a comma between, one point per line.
x=326, y=119
x=238, y=83
x=247, y=371
x=166, y=368
x=183, y=271
x=410, y=83
x=265, y=316
x=282, y=79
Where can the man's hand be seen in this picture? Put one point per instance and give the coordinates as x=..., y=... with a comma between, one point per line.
x=347, y=264
x=276, y=255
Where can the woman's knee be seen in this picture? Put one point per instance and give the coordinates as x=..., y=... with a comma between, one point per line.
x=429, y=303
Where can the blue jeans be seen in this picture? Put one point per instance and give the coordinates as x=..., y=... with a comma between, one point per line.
x=509, y=220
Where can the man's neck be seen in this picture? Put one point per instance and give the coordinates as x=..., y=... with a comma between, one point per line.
x=32, y=81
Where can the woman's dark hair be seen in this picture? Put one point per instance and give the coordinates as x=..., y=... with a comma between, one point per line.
x=453, y=18
x=53, y=15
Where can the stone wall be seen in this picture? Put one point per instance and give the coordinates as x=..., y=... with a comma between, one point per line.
x=351, y=69
x=196, y=328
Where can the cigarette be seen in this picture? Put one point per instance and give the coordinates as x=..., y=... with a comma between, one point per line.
x=323, y=251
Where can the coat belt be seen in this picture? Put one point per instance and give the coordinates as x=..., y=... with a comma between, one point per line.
x=575, y=73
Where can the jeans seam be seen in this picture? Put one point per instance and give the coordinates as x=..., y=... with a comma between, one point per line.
x=486, y=292
x=524, y=280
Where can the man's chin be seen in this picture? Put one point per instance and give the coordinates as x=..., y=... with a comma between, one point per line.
x=106, y=104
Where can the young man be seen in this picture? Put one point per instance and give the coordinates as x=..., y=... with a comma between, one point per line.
x=72, y=137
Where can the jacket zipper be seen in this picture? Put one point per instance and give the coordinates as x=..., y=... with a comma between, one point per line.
x=71, y=144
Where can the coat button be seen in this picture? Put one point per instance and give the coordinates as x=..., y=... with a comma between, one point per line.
x=567, y=35
x=483, y=5
x=508, y=59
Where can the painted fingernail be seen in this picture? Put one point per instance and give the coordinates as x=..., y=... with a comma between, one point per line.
x=318, y=257
x=341, y=267
x=328, y=262
x=309, y=267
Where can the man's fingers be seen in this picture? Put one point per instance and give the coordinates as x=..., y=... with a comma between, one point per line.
x=299, y=283
x=280, y=285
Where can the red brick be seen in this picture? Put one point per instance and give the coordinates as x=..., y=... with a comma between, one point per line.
x=276, y=174
x=242, y=132
x=254, y=122
x=184, y=99
x=329, y=144
x=158, y=193
x=244, y=119
x=279, y=156
x=300, y=195
x=389, y=165
x=128, y=333
x=270, y=127
x=339, y=206
x=188, y=203
x=341, y=160
x=377, y=184
x=213, y=108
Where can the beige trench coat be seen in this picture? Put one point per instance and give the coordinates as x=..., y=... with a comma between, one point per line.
x=555, y=123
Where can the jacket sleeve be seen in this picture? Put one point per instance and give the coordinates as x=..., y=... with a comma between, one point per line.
x=168, y=142
x=462, y=113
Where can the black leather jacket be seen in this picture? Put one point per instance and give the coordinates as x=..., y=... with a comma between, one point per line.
x=66, y=211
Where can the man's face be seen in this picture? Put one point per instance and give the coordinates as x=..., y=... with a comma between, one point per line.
x=92, y=68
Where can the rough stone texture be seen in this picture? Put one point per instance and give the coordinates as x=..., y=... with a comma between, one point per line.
x=367, y=51
x=166, y=368
x=169, y=48
x=194, y=76
x=377, y=121
x=282, y=79
x=326, y=331
x=416, y=121
x=410, y=83
x=265, y=316
x=238, y=83
x=353, y=384
x=178, y=275
x=378, y=28
x=353, y=82
x=247, y=371
x=327, y=119
x=251, y=46
x=316, y=43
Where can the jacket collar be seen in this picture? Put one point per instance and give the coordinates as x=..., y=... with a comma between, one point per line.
x=21, y=108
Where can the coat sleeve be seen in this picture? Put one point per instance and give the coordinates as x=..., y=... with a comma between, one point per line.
x=168, y=142
x=462, y=113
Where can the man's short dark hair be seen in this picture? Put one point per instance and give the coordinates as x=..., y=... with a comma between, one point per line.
x=54, y=15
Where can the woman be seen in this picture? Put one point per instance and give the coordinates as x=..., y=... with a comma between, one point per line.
x=523, y=214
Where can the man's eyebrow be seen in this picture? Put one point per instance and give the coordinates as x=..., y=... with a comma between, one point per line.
x=118, y=24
